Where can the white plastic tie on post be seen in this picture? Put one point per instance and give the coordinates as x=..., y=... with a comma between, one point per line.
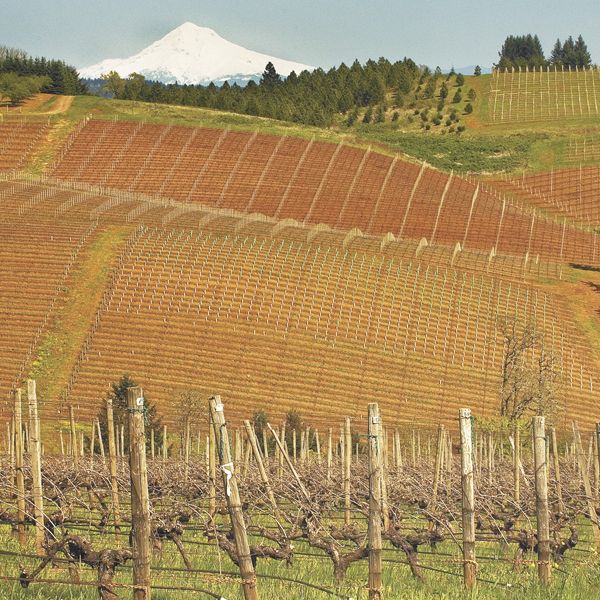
x=228, y=470
x=375, y=420
x=219, y=407
x=139, y=401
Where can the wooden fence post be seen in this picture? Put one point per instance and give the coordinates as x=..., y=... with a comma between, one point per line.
x=329, y=453
x=468, y=497
x=517, y=465
x=186, y=450
x=74, y=456
x=375, y=485
x=36, y=465
x=100, y=440
x=212, y=469
x=140, y=501
x=347, y=468
x=233, y=499
x=112, y=457
x=253, y=442
x=437, y=466
x=586, y=485
x=555, y=457
x=541, y=499
x=19, y=476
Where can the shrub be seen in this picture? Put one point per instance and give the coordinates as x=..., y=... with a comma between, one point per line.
x=395, y=116
x=427, y=127
x=457, y=97
x=448, y=122
x=436, y=120
x=472, y=94
x=468, y=108
x=460, y=128
x=460, y=80
x=424, y=115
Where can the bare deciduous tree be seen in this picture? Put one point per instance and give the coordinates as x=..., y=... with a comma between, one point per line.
x=530, y=377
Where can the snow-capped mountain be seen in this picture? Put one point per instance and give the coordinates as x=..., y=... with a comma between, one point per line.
x=192, y=55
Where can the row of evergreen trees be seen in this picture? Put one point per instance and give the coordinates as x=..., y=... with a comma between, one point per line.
x=526, y=51
x=312, y=98
x=61, y=78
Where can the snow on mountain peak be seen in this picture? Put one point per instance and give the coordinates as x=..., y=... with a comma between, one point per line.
x=192, y=54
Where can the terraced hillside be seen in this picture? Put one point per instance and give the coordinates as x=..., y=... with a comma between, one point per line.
x=314, y=183
x=18, y=138
x=274, y=312
x=544, y=94
x=573, y=193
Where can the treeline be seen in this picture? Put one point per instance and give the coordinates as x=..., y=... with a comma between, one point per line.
x=526, y=51
x=61, y=78
x=311, y=98
x=16, y=88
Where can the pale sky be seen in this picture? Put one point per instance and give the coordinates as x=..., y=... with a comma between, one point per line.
x=325, y=33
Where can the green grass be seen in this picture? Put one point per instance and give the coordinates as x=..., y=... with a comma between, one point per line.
x=60, y=345
x=577, y=578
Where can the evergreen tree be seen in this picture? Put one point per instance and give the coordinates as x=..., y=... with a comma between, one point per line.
x=556, y=56
x=270, y=77
x=477, y=71
x=521, y=51
x=569, y=54
x=460, y=80
x=368, y=116
x=582, y=55
x=444, y=91
x=118, y=394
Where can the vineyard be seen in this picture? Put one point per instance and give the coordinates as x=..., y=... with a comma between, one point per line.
x=216, y=295
x=543, y=94
x=373, y=508
x=346, y=303
x=571, y=193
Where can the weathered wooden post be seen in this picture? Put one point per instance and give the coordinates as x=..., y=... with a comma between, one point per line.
x=468, y=497
x=212, y=469
x=437, y=467
x=186, y=449
x=318, y=445
x=36, y=465
x=140, y=501
x=100, y=440
x=375, y=516
x=74, y=456
x=92, y=441
x=541, y=499
x=112, y=457
x=152, y=443
x=597, y=460
x=517, y=465
x=19, y=476
x=165, y=444
x=586, y=485
x=253, y=443
x=347, y=468
x=555, y=457
x=329, y=453
x=232, y=496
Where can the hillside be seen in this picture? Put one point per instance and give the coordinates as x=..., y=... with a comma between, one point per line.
x=219, y=241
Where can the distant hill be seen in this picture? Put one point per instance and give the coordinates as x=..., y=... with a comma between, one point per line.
x=193, y=55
